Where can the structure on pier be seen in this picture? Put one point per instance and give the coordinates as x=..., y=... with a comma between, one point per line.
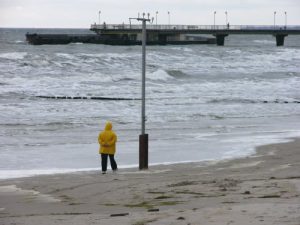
x=176, y=33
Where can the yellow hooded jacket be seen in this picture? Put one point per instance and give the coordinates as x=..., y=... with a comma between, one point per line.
x=107, y=140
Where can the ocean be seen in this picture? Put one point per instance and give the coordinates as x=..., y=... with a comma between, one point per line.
x=204, y=103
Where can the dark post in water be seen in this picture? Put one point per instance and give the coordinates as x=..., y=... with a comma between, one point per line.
x=143, y=139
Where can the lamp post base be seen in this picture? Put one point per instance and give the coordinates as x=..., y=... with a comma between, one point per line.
x=143, y=160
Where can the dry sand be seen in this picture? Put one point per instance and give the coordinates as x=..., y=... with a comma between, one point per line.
x=260, y=189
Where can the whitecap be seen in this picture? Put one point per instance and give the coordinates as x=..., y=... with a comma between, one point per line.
x=264, y=41
x=159, y=75
x=234, y=51
x=19, y=41
x=65, y=55
x=13, y=55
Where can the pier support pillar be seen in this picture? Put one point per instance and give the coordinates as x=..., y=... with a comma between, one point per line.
x=280, y=39
x=220, y=39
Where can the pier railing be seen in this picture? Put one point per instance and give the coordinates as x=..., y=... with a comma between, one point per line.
x=191, y=27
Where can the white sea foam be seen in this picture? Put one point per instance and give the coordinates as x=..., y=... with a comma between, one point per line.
x=265, y=41
x=33, y=195
x=9, y=174
x=19, y=41
x=13, y=55
x=159, y=75
x=66, y=55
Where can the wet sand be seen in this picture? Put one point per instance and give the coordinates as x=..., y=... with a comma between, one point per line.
x=260, y=189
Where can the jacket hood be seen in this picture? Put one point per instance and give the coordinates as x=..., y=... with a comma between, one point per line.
x=108, y=126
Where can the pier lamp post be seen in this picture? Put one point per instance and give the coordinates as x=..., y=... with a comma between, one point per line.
x=226, y=18
x=215, y=20
x=156, y=17
x=274, y=19
x=99, y=17
x=143, y=138
x=285, y=20
x=169, y=18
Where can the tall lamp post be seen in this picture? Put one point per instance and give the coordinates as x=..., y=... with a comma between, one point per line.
x=215, y=20
x=285, y=20
x=143, y=138
x=169, y=18
x=99, y=17
x=156, y=17
x=274, y=19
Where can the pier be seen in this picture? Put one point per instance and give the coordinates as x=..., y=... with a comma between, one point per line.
x=165, y=33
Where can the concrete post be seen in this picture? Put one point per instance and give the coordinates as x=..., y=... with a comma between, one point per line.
x=220, y=39
x=280, y=39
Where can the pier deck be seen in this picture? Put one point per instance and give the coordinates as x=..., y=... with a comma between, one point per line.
x=220, y=32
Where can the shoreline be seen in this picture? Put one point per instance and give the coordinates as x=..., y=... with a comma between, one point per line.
x=263, y=188
x=14, y=174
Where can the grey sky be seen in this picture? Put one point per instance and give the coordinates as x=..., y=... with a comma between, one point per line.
x=82, y=13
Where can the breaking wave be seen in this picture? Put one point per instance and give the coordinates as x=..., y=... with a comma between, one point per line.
x=159, y=75
x=13, y=55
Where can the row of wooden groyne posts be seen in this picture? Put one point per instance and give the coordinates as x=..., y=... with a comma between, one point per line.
x=276, y=101
x=131, y=34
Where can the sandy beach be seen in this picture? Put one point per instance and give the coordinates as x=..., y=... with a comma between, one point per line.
x=260, y=189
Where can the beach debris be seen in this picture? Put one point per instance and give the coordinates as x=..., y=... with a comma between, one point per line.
x=229, y=202
x=119, y=214
x=180, y=218
x=209, y=182
x=183, y=183
x=156, y=192
x=144, y=204
x=153, y=210
x=169, y=203
x=199, y=194
x=227, y=184
x=247, y=193
x=270, y=196
x=144, y=222
x=189, y=192
x=70, y=213
x=164, y=197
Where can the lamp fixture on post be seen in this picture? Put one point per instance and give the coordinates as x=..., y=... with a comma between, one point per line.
x=99, y=17
x=215, y=20
x=285, y=20
x=274, y=19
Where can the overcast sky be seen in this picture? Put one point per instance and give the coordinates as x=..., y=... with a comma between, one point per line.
x=82, y=13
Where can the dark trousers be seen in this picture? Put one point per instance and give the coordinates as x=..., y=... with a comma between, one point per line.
x=113, y=163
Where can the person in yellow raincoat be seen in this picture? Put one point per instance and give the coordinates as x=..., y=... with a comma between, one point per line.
x=107, y=140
